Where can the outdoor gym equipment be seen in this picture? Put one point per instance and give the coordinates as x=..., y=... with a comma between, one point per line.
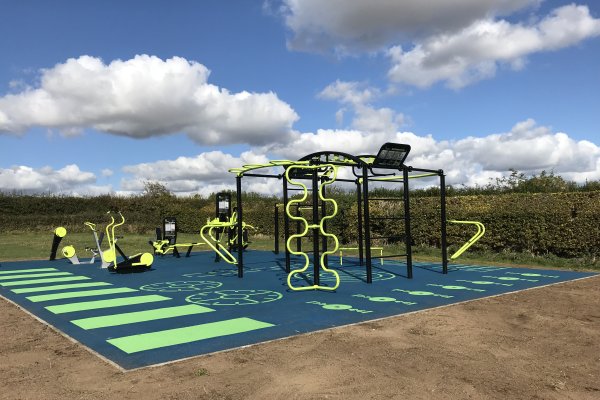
x=299, y=208
x=480, y=232
x=212, y=234
x=69, y=251
x=386, y=167
x=166, y=239
x=59, y=234
x=140, y=261
x=321, y=175
x=220, y=233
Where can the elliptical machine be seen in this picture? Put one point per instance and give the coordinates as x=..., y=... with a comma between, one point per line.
x=137, y=262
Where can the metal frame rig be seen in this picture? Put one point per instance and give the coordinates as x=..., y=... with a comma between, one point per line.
x=387, y=166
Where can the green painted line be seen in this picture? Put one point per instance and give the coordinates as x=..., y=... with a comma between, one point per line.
x=83, y=293
x=140, y=316
x=59, y=287
x=5, y=278
x=94, y=305
x=49, y=280
x=19, y=271
x=172, y=337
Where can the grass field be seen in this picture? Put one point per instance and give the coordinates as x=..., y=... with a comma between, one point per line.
x=29, y=245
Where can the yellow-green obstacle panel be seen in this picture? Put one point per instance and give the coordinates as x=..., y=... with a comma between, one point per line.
x=331, y=173
x=480, y=232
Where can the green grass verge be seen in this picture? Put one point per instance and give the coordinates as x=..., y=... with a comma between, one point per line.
x=30, y=246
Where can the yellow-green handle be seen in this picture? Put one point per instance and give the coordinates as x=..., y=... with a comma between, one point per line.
x=480, y=232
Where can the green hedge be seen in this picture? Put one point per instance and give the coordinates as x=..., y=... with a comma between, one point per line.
x=564, y=224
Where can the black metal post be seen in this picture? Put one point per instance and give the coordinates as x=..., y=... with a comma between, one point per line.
x=407, y=233
x=219, y=230
x=276, y=244
x=365, y=183
x=286, y=224
x=315, y=231
x=443, y=221
x=240, y=230
x=360, y=222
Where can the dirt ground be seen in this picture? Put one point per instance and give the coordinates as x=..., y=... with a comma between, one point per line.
x=537, y=344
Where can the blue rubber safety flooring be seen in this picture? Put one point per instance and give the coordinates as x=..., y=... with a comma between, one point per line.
x=192, y=306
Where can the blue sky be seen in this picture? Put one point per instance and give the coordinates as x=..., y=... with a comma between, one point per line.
x=100, y=96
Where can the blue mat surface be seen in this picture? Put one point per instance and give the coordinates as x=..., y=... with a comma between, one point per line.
x=191, y=306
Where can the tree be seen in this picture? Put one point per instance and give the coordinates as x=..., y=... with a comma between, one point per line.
x=156, y=189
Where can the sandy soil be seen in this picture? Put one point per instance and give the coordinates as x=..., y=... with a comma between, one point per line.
x=538, y=344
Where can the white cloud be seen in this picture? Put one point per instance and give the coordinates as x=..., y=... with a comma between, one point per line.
x=107, y=172
x=474, y=53
x=530, y=148
x=142, y=97
x=203, y=174
x=454, y=41
x=46, y=179
x=358, y=96
x=358, y=25
x=527, y=147
x=354, y=93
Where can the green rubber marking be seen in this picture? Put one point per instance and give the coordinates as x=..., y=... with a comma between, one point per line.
x=48, y=280
x=382, y=299
x=422, y=293
x=59, y=287
x=19, y=271
x=139, y=316
x=94, y=305
x=337, y=307
x=5, y=278
x=533, y=274
x=82, y=293
x=172, y=337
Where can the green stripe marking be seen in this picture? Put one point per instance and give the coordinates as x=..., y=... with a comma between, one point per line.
x=140, y=316
x=19, y=271
x=49, y=280
x=94, y=305
x=171, y=337
x=5, y=278
x=82, y=293
x=59, y=287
